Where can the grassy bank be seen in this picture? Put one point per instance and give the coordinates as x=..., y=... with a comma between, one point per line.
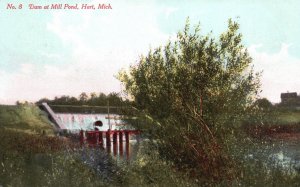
x=289, y=117
x=31, y=158
x=25, y=118
x=275, y=123
x=35, y=160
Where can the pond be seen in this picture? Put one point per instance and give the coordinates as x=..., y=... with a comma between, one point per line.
x=287, y=154
x=279, y=153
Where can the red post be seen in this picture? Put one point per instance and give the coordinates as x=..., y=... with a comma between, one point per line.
x=91, y=138
x=127, y=150
x=115, y=135
x=127, y=144
x=120, y=137
x=127, y=137
x=121, y=143
x=107, y=135
x=81, y=137
x=100, y=139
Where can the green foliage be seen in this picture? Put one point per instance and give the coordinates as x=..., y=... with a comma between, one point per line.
x=192, y=94
x=101, y=99
x=87, y=103
x=27, y=118
x=17, y=142
x=50, y=161
x=289, y=117
x=264, y=103
x=260, y=165
x=32, y=160
x=175, y=79
x=149, y=170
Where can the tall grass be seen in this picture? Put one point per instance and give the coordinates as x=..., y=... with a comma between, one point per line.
x=55, y=162
x=258, y=164
x=289, y=117
x=32, y=159
x=26, y=118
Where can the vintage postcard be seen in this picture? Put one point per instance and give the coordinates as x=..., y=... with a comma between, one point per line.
x=149, y=93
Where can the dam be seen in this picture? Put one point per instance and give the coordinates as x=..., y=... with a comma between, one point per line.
x=112, y=134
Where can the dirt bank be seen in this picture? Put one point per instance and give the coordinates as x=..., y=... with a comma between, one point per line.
x=282, y=132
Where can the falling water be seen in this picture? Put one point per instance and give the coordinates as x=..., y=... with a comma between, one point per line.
x=75, y=122
x=86, y=121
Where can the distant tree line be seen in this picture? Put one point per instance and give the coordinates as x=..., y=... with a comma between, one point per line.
x=92, y=99
x=87, y=103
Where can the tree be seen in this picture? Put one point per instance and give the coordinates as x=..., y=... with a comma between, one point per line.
x=191, y=93
x=266, y=114
x=102, y=99
x=264, y=103
x=93, y=95
x=114, y=99
x=83, y=97
x=73, y=101
x=93, y=98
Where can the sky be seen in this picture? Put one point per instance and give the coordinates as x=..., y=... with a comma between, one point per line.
x=48, y=53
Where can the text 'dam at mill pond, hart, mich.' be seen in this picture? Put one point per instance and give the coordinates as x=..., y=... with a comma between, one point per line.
x=57, y=6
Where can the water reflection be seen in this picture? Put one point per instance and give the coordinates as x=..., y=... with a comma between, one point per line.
x=285, y=155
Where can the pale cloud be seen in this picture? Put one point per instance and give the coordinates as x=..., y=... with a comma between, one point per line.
x=169, y=11
x=97, y=47
x=94, y=45
x=280, y=71
x=52, y=56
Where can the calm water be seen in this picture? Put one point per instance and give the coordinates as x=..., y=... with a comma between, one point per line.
x=285, y=154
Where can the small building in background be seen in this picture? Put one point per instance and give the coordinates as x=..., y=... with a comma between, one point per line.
x=290, y=99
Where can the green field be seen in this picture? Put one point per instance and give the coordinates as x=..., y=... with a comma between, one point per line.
x=26, y=118
x=289, y=117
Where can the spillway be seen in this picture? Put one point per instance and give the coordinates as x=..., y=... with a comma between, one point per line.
x=86, y=121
